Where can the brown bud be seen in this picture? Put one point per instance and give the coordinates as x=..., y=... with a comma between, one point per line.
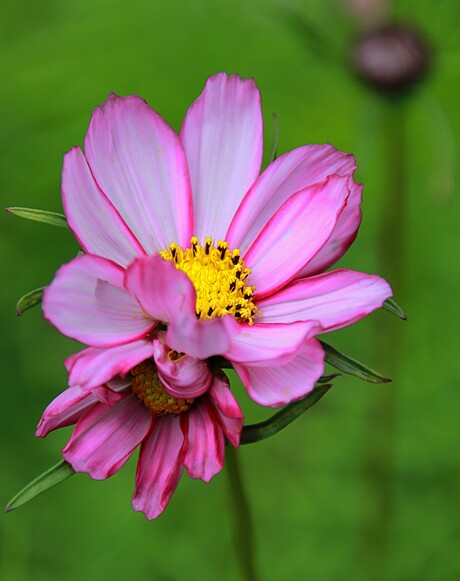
x=391, y=58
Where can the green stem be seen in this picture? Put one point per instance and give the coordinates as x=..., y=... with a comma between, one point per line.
x=244, y=530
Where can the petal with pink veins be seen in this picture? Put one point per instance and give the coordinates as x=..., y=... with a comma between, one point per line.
x=139, y=163
x=160, y=466
x=65, y=410
x=202, y=338
x=161, y=289
x=106, y=395
x=277, y=385
x=263, y=342
x=92, y=218
x=105, y=437
x=290, y=173
x=295, y=234
x=222, y=135
x=334, y=299
x=92, y=367
x=205, y=444
x=85, y=301
x=183, y=377
x=342, y=236
x=227, y=409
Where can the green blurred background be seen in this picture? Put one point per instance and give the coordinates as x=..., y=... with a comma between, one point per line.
x=366, y=485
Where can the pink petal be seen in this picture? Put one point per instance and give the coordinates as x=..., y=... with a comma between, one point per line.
x=205, y=445
x=105, y=395
x=202, y=338
x=292, y=172
x=342, y=236
x=111, y=393
x=92, y=367
x=139, y=163
x=160, y=466
x=278, y=385
x=334, y=299
x=85, y=301
x=295, y=234
x=161, y=289
x=222, y=135
x=65, y=410
x=182, y=376
x=91, y=217
x=263, y=342
x=105, y=437
x=227, y=409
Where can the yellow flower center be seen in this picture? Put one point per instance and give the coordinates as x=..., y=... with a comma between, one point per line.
x=147, y=386
x=218, y=275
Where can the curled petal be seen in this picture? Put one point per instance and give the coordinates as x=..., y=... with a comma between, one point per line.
x=65, y=410
x=163, y=291
x=183, y=377
x=201, y=338
x=85, y=301
x=342, y=236
x=228, y=411
x=275, y=385
x=93, y=367
x=160, y=466
x=263, y=342
x=204, y=455
x=290, y=173
x=222, y=135
x=334, y=299
x=295, y=234
x=139, y=163
x=105, y=437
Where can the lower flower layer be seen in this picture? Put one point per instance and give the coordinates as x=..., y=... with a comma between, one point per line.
x=147, y=386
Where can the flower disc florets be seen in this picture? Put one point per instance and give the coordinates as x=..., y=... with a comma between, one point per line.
x=148, y=388
x=218, y=275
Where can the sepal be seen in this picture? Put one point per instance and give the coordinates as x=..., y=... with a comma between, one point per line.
x=29, y=300
x=53, y=218
x=274, y=147
x=392, y=306
x=55, y=475
x=351, y=366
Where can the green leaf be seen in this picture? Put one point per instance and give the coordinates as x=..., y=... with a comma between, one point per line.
x=392, y=306
x=258, y=432
x=29, y=300
x=274, y=147
x=58, y=473
x=351, y=366
x=53, y=218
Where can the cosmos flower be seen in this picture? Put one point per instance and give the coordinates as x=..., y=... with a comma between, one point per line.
x=191, y=254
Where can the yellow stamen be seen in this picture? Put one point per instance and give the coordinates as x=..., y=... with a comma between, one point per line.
x=218, y=275
x=147, y=386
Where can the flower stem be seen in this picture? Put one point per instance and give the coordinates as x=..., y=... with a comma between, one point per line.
x=243, y=526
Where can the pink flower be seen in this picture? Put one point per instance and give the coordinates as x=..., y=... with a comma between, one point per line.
x=192, y=253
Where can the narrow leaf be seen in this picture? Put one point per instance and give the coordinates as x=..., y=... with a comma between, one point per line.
x=351, y=366
x=274, y=147
x=258, y=432
x=58, y=473
x=29, y=300
x=53, y=218
x=392, y=306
